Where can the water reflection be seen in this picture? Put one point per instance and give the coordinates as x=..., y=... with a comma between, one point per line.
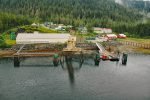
x=67, y=62
x=70, y=68
x=107, y=82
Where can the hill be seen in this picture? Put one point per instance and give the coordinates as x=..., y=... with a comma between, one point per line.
x=103, y=13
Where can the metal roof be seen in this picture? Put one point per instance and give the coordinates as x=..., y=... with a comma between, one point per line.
x=43, y=36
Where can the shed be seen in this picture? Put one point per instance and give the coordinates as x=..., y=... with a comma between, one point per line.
x=12, y=36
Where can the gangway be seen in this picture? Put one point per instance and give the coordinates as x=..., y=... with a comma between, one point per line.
x=105, y=55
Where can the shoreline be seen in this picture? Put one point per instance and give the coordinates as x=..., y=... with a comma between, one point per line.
x=10, y=53
x=6, y=53
x=131, y=49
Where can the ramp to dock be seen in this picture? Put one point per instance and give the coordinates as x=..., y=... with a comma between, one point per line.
x=103, y=51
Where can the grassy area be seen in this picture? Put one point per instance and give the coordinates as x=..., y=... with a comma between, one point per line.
x=10, y=42
x=88, y=35
x=31, y=29
x=136, y=49
x=7, y=41
x=132, y=49
x=144, y=41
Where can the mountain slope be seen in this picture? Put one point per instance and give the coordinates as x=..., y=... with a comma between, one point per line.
x=65, y=10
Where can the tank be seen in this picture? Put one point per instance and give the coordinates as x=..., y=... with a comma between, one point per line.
x=97, y=60
x=124, y=59
x=56, y=59
x=12, y=36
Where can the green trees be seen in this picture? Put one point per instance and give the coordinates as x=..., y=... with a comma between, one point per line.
x=8, y=20
x=98, y=13
x=135, y=30
x=2, y=42
x=57, y=10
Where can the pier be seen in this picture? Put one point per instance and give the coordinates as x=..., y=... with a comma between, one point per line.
x=71, y=49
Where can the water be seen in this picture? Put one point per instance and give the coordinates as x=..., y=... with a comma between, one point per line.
x=37, y=79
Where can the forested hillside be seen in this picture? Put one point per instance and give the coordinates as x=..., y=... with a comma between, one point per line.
x=9, y=20
x=76, y=12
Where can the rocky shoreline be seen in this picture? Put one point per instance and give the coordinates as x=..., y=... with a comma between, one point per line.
x=6, y=53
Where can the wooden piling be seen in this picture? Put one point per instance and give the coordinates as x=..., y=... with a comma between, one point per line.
x=16, y=61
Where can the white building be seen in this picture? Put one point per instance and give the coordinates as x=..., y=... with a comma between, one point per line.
x=34, y=38
x=61, y=27
x=83, y=30
x=102, y=30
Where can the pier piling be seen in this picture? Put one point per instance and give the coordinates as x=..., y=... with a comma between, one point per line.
x=16, y=61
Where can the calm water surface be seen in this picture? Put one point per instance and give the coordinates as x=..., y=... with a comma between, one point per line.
x=37, y=79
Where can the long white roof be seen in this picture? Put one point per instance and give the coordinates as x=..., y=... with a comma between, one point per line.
x=43, y=36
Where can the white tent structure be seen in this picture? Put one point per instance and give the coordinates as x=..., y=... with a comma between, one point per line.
x=34, y=38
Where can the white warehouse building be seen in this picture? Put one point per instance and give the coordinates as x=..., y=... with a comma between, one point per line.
x=34, y=38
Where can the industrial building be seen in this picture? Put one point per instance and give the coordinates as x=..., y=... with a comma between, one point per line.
x=34, y=38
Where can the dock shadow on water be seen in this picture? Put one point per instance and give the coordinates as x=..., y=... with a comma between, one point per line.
x=70, y=69
x=71, y=63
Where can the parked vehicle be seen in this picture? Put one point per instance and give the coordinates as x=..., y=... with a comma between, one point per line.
x=121, y=36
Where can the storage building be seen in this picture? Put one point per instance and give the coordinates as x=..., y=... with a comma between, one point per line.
x=34, y=38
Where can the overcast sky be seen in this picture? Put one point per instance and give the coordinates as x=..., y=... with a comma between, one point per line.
x=137, y=0
x=142, y=0
x=131, y=0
